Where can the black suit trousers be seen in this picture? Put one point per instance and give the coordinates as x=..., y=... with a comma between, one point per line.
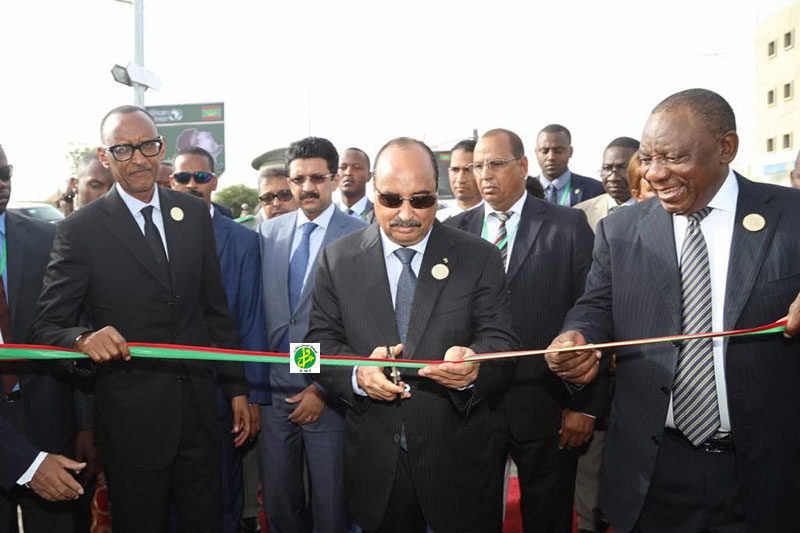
x=141, y=500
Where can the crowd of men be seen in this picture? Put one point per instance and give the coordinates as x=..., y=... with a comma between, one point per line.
x=698, y=435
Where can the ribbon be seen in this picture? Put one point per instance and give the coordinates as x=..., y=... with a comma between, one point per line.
x=21, y=352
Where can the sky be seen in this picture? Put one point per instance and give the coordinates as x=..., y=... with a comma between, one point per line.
x=362, y=72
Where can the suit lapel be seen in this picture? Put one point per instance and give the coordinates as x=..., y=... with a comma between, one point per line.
x=16, y=248
x=751, y=245
x=221, y=232
x=371, y=268
x=282, y=253
x=662, y=262
x=427, y=290
x=124, y=228
x=173, y=229
x=530, y=223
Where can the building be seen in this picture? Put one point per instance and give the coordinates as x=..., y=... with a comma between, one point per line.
x=777, y=115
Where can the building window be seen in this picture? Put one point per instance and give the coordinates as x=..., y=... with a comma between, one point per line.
x=771, y=49
x=788, y=39
x=788, y=90
x=770, y=145
x=771, y=97
x=787, y=141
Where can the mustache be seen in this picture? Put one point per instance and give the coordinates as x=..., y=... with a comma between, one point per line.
x=399, y=223
x=195, y=192
x=308, y=194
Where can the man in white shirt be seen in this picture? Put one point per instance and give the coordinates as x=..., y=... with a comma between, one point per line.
x=354, y=175
x=462, y=181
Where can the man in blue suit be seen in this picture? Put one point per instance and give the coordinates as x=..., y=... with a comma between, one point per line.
x=240, y=264
x=303, y=425
x=561, y=185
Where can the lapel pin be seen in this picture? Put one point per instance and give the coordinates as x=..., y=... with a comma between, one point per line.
x=440, y=271
x=444, y=260
x=577, y=191
x=176, y=213
x=754, y=222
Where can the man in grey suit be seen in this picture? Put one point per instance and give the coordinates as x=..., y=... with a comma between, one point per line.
x=703, y=435
x=302, y=424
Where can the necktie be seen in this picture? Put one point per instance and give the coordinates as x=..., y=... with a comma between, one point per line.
x=501, y=241
x=552, y=193
x=153, y=238
x=350, y=212
x=694, y=399
x=405, y=292
x=299, y=264
x=9, y=379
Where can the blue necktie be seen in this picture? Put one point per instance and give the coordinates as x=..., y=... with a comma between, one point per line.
x=405, y=292
x=299, y=264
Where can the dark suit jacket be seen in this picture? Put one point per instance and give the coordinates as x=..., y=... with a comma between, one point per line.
x=546, y=275
x=633, y=291
x=49, y=419
x=581, y=188
x=224, y=210
x=16, y=455
x=447, y=431
x=101, y=263
x=240, y=265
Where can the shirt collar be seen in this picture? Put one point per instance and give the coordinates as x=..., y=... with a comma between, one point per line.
x=725, y=199
x=358, y=207
x=211, y=209
x=389, y=246
x=516, y=208
x=613, y=203
x=3, y=223
x=322, y=220
x=134, y=204
x=559, y=183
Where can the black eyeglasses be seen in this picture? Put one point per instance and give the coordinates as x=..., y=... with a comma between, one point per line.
x=607, y=170
x=200, y=178
x=124, y=152
x=494, y=164
x=316, y=179
x=284, y=196
x=6, y=172
x=418, y=201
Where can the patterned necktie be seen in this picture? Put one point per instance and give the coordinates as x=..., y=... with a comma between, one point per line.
x=405, y=292
x=694, y=399
x=501, y=241
x=299, y=264
x=153, y=238
x=552, y=193
x=10, y=379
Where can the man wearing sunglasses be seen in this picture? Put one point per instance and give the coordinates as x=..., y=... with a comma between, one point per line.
x=419, y=451
x=274, y=192
x=240, y=264
x=547, y=252
x=140, y=262
x=37, y=400
x=302, y=420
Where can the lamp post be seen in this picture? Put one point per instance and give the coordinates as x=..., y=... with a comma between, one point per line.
x=135, y=75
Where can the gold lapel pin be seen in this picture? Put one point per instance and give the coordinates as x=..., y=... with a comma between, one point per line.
x=176, y=213
x=754, y=222
x=440, y=271
x=577, y=191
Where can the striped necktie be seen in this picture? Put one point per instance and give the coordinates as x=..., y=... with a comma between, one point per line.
x=694, y=399
x=501, y=241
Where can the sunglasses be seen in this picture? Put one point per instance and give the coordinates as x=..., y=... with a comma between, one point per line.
x=316, y=179
x=419, y=201
x=283, y=196
x=200, y=178
x=6, y=172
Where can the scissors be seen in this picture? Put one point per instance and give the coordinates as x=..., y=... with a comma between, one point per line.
x=394, y=372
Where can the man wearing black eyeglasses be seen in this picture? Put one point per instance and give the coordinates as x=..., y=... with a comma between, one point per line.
x=37, y=400
x=274, y=192
x=140, y=262
x=547, y=252
x=419, y=441
x=302, y=420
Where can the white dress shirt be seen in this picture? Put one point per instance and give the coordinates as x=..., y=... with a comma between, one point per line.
x=135, y=207
x=613, y=203
x=27, y=476
x=317, y=236
x=491, y=224
x=717, y=229
x=393, y=269
x=453, y=209
x=357, y=208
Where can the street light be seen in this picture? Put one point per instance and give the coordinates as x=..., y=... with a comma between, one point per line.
x=134, y=74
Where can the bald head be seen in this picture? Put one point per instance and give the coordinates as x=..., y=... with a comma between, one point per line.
x=112, y=118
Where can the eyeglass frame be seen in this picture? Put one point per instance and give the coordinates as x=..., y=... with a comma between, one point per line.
x=477, y=168
x=382, y=197
x=316, y=179
x=134, y=147
x=275, y=196
x=618, y=169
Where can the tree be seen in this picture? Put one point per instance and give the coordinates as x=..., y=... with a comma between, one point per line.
x=236, y=195
x=76, y=151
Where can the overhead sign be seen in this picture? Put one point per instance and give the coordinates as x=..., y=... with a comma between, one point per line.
x=186, y=125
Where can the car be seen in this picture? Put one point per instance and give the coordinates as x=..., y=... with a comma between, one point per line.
x=40, y=210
